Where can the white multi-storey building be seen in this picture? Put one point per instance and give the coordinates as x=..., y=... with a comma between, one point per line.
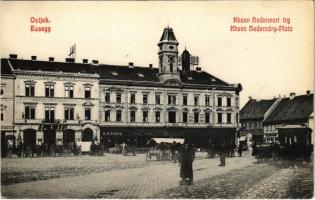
x=54, y=102
x=138, y=103
x=63, y=102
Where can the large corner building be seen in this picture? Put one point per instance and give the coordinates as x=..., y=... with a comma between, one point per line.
x=62, y=102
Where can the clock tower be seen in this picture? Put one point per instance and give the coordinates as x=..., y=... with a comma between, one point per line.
x=168, y=56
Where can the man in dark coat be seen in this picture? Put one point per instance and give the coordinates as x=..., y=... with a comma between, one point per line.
x=187, y=156
x=222, y=154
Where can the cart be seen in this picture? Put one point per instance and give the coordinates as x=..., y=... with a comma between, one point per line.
x=161, y=148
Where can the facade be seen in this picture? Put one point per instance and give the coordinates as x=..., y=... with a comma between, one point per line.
x=7, y=107
x=65, y=102
x=263, y=119
x=252, y=116
x=139, y=103
x=54, y=103
x=292, y=115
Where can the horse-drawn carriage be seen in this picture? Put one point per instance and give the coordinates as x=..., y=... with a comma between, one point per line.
x=163, y=148
x=129, y=148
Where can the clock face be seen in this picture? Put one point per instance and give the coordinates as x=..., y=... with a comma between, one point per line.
x=171, y=59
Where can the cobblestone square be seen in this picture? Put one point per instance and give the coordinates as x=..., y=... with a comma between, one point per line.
x=117, y=176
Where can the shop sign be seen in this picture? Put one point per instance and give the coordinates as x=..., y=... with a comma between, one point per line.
x=7, y=127
x=112, y=133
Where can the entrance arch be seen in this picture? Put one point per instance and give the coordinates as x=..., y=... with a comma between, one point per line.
x=87, y=135
x=29, y=137
x=68, y=136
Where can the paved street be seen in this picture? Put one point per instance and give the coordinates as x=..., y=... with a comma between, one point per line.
x=241, y=178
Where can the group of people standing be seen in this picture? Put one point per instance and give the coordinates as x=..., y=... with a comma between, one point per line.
x=187, y=156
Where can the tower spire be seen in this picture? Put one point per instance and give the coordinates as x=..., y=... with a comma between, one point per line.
x=168, y=56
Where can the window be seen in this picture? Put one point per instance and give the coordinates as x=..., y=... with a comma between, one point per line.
x=118, y=97
x=196, y=117
x=118, y=115
x=69, y=113
x=157, y=116
x=87, y=92
x=49, y=114
x=132, y=116
x=228, y=102
x=172, y=117
x=133, y=98
x=145, y=99
x=207, y=116
x=171, y=99
x=29, y=112
x=219, y=101
x=49, y=89
x=2, y=115
x=107, y=97
x=185, y=100
x=196, y=99
x=69, y=91
x=107, y=116
x=29, y=89
x=157, y=99
x=185, y=117
x=87, y=114
x=219, y=118
x=145, y=116
x=207, y=100
x=171, y=67
x=229, y=118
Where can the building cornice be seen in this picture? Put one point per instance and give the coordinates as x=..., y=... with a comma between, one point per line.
x=55, y=74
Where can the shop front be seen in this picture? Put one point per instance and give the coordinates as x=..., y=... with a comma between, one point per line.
x=200, y=137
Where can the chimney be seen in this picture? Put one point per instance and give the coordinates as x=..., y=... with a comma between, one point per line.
x=308, y=92
x=150, y=66
x=198, y=69
x=95, y=62
x=130, y=64
x=33, y=57
x=13, y=56
x=85, y=61
x=292, y=95
x=70, y=60
x=249, y=97
x=51, y=59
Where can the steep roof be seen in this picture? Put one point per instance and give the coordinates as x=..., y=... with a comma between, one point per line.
x=5, y=67
x=35, y=65
x=168, y=35
x=255, y=109
x=293, y=110
x=117, y=73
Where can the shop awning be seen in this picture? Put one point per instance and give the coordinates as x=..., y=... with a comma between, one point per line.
x=168, y=140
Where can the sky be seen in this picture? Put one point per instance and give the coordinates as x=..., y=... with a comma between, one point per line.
x=267, y=64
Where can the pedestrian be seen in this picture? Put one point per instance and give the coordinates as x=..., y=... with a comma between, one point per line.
x=187, y=156
x=240, y=150
x=222, y=154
